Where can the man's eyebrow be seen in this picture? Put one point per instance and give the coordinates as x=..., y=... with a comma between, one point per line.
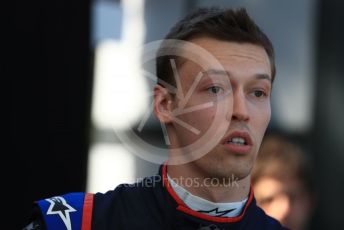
x=216, y=72
x=227, y=73
x=263, y=76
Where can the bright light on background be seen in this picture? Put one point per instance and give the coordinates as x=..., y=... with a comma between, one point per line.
x=109, y=165
x=120, y=91
x=119, y=97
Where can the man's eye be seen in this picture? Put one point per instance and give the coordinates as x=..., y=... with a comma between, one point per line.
x=259, y=93
x=215, y=89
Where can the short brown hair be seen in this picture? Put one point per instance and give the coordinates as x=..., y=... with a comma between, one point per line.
x=222, y=24
x=279, y=158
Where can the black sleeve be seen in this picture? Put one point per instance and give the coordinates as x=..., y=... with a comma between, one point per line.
x=36, y=221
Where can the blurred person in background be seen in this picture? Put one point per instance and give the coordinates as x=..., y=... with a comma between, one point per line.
x=282, y=181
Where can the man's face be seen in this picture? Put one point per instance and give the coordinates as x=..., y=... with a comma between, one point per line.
x=285, y=199
x=248, y=68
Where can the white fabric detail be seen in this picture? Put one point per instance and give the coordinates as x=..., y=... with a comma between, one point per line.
x=199, y=204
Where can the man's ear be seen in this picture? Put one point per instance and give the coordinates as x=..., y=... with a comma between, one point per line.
x=162, y=104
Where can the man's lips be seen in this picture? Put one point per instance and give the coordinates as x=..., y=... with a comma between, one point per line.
x=238, y=142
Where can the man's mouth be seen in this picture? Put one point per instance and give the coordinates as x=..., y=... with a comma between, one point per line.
x=238, y=142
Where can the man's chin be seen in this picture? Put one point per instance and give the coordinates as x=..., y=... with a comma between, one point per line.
x=227, y=173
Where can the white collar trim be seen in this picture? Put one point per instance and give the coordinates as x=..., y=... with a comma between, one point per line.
x=199, y=204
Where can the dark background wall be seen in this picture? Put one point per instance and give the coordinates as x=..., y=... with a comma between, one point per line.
x=49, y=63
x=50, y=69
x=328, y=129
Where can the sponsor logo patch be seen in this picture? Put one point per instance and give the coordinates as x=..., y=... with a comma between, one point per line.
x=59, y=206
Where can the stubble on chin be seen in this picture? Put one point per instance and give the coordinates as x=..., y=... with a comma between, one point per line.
x=224, y=167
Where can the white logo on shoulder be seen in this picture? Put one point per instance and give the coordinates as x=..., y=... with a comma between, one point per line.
x=58, y=205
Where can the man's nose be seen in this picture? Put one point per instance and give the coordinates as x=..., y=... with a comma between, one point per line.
x=240, y=111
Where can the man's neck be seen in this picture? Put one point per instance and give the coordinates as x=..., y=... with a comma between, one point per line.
x=210, y=189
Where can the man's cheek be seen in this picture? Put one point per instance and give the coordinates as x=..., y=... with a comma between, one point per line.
x=204, y=119
x=199, y=121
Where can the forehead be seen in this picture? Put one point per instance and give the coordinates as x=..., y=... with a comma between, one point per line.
x=237, y=58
